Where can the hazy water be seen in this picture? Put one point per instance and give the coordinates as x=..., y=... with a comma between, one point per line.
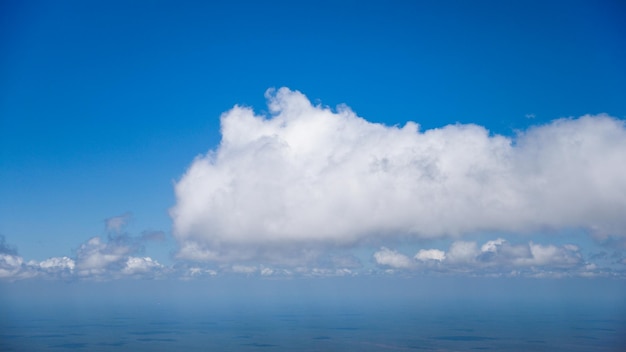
x=243, y=324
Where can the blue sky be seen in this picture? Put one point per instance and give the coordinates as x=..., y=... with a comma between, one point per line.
x=104, y=107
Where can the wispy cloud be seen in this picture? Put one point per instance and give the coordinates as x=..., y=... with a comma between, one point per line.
x=6, y=248
x=116, y=224
x=306, y=176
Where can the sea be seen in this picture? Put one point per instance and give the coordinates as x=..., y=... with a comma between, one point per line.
x=297, y=316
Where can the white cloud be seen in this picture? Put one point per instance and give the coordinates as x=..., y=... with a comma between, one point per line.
x=499, y=256
x=57, y=263
x=140, y=265
x=94, y=256
x=10, y=265
x=492, y=246
x=13, y=266
x=98, y=258
x=391, y=258
x=430, y=254
x=307, y=176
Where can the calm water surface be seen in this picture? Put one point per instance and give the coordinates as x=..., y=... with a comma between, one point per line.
x=253, y=323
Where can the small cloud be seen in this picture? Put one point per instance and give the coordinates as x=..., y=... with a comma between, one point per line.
x=10, y=265
x=140, y=265
x=267, y=271
x=393, y=259
x=492, y=246
x=116, y=224
x=58, y=264
x=430, y=254
x=96, y=256
x=530, y=116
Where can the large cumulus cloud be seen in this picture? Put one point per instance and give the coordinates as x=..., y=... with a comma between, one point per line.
x=305, y=176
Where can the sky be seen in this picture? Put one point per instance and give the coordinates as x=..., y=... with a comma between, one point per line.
x=184, y=140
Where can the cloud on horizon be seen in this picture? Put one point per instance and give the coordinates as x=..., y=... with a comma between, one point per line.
x=496, y=258
x=115, y=256
x=304, y=178
x=110, y=259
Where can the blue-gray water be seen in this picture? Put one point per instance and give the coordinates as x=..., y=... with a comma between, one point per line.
x=286, y=317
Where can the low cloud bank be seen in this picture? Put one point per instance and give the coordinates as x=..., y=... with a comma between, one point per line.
x=104, y=259
x=306, y=177
x=117, y=255
x=497, y=258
